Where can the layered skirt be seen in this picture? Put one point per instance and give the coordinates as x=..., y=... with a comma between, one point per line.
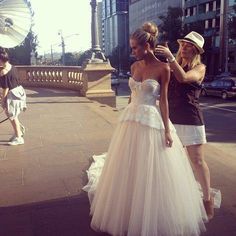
x=140, y=187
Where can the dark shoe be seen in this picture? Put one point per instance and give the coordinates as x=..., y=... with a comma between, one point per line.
x=209, y=207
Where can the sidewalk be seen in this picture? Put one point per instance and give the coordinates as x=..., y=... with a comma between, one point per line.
x=41, y=181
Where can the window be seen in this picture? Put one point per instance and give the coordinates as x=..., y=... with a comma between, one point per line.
x=214, y=6
x=232, y=3
x=213, y=23
x=189, y=12
x=201, y=8
x=207, y=7
x=217, y=4
x=227, y=83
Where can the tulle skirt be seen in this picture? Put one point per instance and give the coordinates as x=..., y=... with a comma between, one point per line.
x=141, y=187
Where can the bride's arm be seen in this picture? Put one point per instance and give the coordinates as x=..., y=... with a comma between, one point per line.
x=164, y=107
x=132, y=69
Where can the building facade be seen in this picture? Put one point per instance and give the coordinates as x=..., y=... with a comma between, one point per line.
x=141, y=11
x=115, y=26
x=210, y=17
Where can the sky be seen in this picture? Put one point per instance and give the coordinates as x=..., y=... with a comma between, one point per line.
x=72, y=17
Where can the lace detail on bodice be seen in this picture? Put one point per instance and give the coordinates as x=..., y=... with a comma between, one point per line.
x=143, y=107
x=145, y=92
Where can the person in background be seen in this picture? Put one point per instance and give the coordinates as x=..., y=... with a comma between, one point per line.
x=13, y=98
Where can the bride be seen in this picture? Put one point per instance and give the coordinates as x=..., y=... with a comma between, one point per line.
x=144, y=184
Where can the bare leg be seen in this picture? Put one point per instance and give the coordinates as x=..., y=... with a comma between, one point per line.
x=17, y=127
x=201, y=169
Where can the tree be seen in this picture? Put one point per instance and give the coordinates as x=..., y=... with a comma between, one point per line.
x=84, y=56
x=119, y=58
x=232, y=24
x=70, y=59
x=171, y=27
x=21, y=54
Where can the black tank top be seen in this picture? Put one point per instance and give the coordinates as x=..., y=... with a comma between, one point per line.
x=183, y=100
x=10, y=79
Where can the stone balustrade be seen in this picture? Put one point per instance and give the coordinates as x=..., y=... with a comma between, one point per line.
x=67, y=77
x=92, y=81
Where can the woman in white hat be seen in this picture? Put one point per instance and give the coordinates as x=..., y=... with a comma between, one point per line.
x=184, y=90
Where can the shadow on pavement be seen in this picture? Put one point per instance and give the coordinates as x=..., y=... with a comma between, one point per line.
x=62, y=217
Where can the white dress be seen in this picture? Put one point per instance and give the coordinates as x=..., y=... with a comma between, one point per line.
x=140, y=187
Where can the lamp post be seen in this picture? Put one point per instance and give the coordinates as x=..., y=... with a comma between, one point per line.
x=97, y=55
x=62, y=47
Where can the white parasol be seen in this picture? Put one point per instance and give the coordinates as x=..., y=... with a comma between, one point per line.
x=15, y=22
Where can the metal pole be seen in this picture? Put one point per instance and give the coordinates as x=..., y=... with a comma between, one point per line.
x=94, y=27
x=62, y=47
x=63, y=50
x=51, y=55
x=224, y=36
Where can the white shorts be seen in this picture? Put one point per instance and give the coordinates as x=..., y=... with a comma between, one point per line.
x=191, y=134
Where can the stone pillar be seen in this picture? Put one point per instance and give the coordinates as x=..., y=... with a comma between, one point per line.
x=97, y=55
x=97, y=70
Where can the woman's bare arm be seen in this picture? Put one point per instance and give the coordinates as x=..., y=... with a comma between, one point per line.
x=164, y=107
x=194, y=75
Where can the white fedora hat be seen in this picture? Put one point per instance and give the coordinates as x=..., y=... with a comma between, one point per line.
x=194, y=38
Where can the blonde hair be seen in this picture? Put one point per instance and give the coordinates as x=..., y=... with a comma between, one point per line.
x=195, y=60
x=146, y=34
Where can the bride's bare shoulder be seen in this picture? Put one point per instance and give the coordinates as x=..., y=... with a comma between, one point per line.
x=136, y=66
x=162, y=66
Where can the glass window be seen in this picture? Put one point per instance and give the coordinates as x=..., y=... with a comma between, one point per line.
x=108, y=7
x=201, y=8
x=227, y=83
x=219, y=83
x=232, y=3
x=207, y=7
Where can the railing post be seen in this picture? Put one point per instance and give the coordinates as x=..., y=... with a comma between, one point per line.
x=64, y=76
x=98, y=77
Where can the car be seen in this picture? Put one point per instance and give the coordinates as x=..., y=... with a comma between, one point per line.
x=224, y=75
x=225, y=87
x=115, y=82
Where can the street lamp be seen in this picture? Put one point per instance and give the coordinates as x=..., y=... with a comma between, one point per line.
x=97, y=55
x=63, y=44
x=62, y=47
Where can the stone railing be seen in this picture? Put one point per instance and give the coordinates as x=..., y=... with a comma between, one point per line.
x=92, y=81
x=67, y=77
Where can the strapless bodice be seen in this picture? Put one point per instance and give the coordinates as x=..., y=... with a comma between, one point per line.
x=145, y=92
x=143, y=107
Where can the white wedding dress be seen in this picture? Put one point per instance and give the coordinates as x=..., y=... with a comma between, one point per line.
x=140, y=187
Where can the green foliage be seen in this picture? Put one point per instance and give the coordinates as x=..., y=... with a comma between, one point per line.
x=171, y=27
x=70, y=59
x=232, y=24
x=21, y=54
x=119, y=58
x=83, y=57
